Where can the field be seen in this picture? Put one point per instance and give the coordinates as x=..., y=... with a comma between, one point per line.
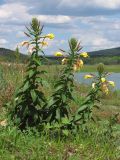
x=97, y=143
x=108, y=68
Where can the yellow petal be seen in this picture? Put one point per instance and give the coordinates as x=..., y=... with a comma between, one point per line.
x=88, y=76
x=75, y=67
x=105, y=89
x=64, y=61
x=58, y=54
x=111, y=83
x=50, y=36
x=84, y=54
x=93, y=85
x=24, y=43
x=44, y=43
x=103, y=80
x=31, y=50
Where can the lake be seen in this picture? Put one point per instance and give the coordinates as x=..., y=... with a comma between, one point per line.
x=79, y=77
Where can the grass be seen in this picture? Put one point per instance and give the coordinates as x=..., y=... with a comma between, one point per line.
x=108, y=68
x=95, y=144
x=15, y=145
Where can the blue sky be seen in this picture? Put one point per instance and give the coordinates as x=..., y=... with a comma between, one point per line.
x=96, y=23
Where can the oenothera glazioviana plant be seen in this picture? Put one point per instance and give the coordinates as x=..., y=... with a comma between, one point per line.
x=30, y=100
x=99, y=84
x=59, y=110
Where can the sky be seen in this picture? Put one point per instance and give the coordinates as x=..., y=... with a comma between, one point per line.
x=96, y=23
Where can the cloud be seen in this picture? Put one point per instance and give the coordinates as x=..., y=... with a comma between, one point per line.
x=95, y=22
x=3, y=42
x=70, y=8
x=54, y=19
x=109, y=4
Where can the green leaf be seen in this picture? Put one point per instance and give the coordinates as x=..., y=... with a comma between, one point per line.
x=64, y=98
x=33, y=95
x=58, y=114
x=37, y=61
x=65, y=121
x=51, y=102
x=39, y=80
x=65, y=132
x=77, y=117
x=82, y=108
x=25, y=87
x=31, y=73
x=45, y=83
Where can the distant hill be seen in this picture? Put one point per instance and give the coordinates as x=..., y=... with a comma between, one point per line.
x=8, y=55
x=106, y=52
x=111, y=56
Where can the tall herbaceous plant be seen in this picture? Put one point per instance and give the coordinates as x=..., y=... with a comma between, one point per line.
x=33, y=109
x=30, y=100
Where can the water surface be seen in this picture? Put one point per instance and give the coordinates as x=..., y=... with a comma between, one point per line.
x=79, y=77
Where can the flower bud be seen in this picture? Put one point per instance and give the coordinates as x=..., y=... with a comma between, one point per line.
x=100, y=68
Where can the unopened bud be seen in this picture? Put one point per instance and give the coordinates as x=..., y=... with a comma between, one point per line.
x=100, y=68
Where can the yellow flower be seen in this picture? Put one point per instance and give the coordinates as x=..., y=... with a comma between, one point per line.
x=31, y=50
x=88, y=76
x=78, y=65
x=93, y=85
x=104, y=88
x=84, y=54
x=103, y=80
x=50, y=36
x=111, y=83
x=24, y=43
x=75, y=67
x=58, y=54
x=64, y=61
x=43, y=43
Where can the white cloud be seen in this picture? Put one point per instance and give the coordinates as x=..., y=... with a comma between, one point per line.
x=19, y=13
x=110, y=4
x=53, y=19
x=96, y=32
x=3, y=42
x=14, y=12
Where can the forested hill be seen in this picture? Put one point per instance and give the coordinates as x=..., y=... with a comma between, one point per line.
x=106, y=52
x=111, y=56
x=11, y=56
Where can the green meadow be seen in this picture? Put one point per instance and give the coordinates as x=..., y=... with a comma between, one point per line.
x=108, y=68
x=94, y=144
x=46, y=115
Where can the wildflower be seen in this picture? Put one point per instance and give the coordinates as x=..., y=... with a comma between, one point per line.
x=103, y=80
x=78, y=65
x=58, y=54
x=88, y=76
x=50, y=36
x=43, y=43
x=64, y=61
x=75, y=67
x=84, y=54
x=31, y=50
x=104, y=88
x=93, y=85
x=25, y=43
x=111, y=83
